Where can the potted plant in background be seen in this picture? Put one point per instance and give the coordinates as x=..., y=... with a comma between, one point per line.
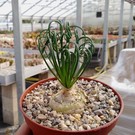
x=69, y=104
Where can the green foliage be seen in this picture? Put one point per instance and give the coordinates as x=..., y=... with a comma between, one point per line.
x=6, y=32
x=94, y=30
x=67, y=52
x=2, y=60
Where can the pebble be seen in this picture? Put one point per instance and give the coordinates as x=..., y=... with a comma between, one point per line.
x=29, y=114
x=54, y=113
x=41, y=117
x=102, y=106
x=102, y=117
x=93, y=92
x=49, y=124
x=94, y=125
x=29, y=106
x=81, y=128
x=68, y=123
x=56, y=122
x=90, y=118
x=36, y=98
x=95, y=107
x=63, y=126
x=77, y=116
x=101, y=97
x=72, y=128
x=98, y=119
x=112, y=112
x=38, y=121
x=72, y=118
x=36, y=93
x=44, y=110
x=110, y=102
x=98, y=112
x=86, y=126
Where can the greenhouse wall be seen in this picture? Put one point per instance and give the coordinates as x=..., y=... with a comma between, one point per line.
x=91, y=20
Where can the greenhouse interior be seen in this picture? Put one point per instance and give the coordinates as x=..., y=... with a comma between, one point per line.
x=87, y=49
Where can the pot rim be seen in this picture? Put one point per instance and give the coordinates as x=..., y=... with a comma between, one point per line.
x=29, y=89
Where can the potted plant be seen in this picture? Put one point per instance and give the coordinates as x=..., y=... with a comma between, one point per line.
x=69, y=104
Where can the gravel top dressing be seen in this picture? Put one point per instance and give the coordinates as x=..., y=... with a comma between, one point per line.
x=101, y=107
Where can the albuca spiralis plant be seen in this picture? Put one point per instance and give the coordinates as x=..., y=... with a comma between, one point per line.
x=69, y=55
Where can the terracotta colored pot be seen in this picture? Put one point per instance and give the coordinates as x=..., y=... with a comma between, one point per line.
x=42, y=130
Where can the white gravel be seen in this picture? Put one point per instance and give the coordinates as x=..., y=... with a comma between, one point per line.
x=102, y=106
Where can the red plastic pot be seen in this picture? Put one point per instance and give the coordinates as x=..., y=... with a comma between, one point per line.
x=42, y=130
